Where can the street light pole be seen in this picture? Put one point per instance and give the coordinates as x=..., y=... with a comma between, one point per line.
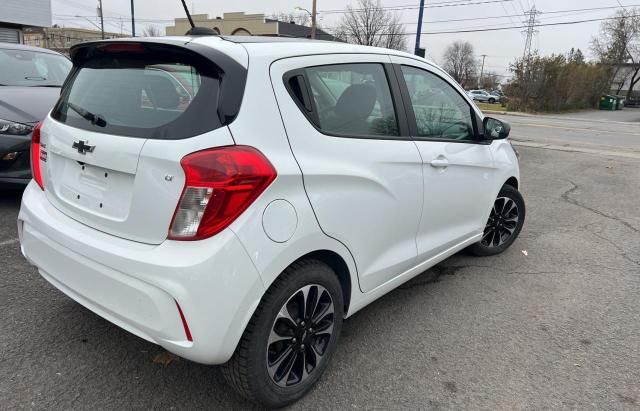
x=313, y=20
x=133, y=20
x=419, y=30
x=101, y=18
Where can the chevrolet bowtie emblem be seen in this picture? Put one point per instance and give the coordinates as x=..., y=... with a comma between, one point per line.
x=83, y=147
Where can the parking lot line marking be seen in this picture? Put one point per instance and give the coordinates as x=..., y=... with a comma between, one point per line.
x=7, y=242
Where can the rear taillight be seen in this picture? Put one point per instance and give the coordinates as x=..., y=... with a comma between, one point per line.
x=220, y=183
x=36, y=168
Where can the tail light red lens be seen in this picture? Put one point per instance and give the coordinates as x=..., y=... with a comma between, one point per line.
x=36, y=156
x=220, y=184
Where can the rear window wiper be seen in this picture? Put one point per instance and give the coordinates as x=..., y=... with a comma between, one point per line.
x=95, y=119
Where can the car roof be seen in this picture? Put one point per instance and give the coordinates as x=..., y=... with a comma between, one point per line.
x=267, y=47
x=13, y=46
x=264, y=39
x=281, y=47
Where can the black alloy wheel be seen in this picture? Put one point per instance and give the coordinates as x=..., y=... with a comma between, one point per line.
x=300, y=335
x=291, y=337
x=504, y=224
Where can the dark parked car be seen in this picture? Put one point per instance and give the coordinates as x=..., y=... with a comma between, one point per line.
x=30, y=81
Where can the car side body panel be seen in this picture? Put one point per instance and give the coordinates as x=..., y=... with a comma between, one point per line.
x=271, y=257
x=365, y=192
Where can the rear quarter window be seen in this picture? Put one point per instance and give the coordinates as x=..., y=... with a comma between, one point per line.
x=350, y=99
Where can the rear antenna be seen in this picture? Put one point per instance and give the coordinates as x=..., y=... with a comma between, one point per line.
x=197, y=31
x=186, y=10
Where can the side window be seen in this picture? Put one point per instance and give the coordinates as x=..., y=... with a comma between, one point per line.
x=352, y=100
x=441, y=113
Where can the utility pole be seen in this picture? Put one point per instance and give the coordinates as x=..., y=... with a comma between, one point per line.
x=526, y=57
x=531, y=22
x=313, y=20
x=101, y=18
x=133, y=20
x=419, y=30
x=481, y=70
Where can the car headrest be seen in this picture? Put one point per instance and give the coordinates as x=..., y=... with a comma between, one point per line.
x=356, y=102
x=163, y=92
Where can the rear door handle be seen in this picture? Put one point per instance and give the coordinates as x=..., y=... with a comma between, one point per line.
x=439, y=162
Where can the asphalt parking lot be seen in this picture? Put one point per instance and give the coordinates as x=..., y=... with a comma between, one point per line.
x=552, y=323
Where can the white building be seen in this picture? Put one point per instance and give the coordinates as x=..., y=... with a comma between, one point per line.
x=15, y=15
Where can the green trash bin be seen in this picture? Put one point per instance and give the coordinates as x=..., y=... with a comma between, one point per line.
x=619, y=102
x=607, y=102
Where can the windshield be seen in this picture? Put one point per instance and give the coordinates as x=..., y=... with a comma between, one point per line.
x=32, y=68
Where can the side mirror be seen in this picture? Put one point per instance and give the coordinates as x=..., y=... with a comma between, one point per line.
x=495, y=129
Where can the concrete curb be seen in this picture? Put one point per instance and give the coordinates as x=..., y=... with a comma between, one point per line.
x=544, y=116
x=595, y=151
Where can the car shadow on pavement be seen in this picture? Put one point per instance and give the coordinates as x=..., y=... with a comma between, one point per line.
x=10, y=197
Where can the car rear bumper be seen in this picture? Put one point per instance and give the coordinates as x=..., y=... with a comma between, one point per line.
x=138, y=286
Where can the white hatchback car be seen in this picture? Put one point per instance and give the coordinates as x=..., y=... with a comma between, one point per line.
x=233, y=199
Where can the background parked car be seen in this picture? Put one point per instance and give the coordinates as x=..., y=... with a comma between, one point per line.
x=484, y=96
x=30, y=81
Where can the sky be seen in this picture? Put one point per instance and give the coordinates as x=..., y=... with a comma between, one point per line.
x=501, y=47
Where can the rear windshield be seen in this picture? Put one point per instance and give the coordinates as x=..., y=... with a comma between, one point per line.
x=32, y=69
x=158, y=94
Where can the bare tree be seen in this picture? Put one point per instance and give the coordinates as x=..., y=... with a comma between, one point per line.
x=618, y=45
x=460, y=62
x=152, y=31
x=370, y=24
x=301, y=19
x=490, y=80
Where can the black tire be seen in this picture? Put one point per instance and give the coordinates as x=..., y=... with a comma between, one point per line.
x=492, y=100
x=247, y=371
x=494, y=240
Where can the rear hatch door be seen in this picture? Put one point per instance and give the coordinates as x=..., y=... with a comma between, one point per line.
x=112, y=146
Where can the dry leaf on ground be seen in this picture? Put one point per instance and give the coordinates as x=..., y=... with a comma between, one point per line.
x=165, y=358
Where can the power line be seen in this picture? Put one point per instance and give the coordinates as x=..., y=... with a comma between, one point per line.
x=545, y=13
x=507, y=13
x=524, y=10
x=561, y=14
x=560, y=23
x=432, y=4
x=413, y=7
